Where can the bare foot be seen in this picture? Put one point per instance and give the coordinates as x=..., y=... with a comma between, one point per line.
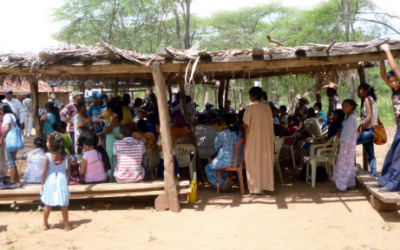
x=46, y=227
x=69, y=228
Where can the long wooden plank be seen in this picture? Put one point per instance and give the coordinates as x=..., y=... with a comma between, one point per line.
x=369, y=180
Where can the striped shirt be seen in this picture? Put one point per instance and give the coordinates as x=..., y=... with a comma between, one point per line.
x=129, y=153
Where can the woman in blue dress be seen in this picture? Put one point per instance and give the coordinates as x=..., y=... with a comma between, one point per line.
x=51, y=116
x=225, y=142
x=55, y=176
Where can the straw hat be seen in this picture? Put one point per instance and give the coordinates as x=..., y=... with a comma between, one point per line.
x=305, y=100
x=331, y=85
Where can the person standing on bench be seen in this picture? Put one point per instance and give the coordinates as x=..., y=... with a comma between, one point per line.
x=390, y=177
x=127, y=157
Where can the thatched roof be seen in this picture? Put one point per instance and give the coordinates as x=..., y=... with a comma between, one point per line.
x=105, y=65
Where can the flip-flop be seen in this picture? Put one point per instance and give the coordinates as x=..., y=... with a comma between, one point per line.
x=71, y=228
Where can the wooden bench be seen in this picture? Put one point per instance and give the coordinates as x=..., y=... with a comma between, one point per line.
x=31, y=192
x=382, y=202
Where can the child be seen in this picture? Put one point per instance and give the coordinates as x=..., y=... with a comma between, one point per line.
x=61, y=127
x=128, y=155
x=147, y=138
x=277, y=124
x=344, y=174
x=321, y=115
x=55, y=176
x=283, y=117
x=293, y=127
x=35, y=162
x=95, y=162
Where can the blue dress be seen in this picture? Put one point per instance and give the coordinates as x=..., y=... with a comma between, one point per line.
x=48, y=128
x=55, y=191
x=227, y=140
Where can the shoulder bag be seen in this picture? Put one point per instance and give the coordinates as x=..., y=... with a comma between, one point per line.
x=14, y=139
x=380, y=137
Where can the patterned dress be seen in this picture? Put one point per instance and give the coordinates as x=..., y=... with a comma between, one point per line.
x=344, y=174
x=55, y=191
x=227, y=140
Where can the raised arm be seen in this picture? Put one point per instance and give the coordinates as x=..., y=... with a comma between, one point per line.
x=393, y=65
x=383, y=74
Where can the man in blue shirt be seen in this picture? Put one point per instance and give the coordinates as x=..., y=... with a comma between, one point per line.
x=94, y=111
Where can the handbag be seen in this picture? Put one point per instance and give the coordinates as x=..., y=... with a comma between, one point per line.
x=14, y=139
x=380, y=136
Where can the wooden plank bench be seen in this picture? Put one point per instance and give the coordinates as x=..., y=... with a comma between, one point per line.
x=382, y=202
x=31, y=192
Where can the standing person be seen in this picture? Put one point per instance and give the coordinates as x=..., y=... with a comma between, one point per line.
x=51, y=117
x=27, y=104
x=190, y=106
x=82, y=123
x=344, y=174
x=9, y=123
x=260, y=143
x=390, y=176
x=114, y=110
x=229, y=109
x=207, y=107
x=54, y=100
x=136, y=106
x=369, y=117
x=146, y=99
x=55, y=176
x=69, y=112
x=153, y=107
x=303, y=102
x=127, y=117
x=334, y=101
x=94, y=112
x=19, y=112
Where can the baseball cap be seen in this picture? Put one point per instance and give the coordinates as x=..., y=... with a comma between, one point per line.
x=8, y=91
x=96, y=95
x=53, y=95
x=76, y=93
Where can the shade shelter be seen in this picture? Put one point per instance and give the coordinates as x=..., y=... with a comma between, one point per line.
x=108, y=66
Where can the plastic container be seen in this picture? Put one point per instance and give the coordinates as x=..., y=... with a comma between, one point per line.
x=192, y=197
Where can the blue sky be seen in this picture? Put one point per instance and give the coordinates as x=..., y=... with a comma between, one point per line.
x=28, y=27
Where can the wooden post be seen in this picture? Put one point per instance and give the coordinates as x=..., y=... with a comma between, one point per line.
x=171, y=193
x=35, y=108
x=206, y=99
x=226, y=97
x=221, y=96
x=234, y=98
x=240, y=97
x=361, y=73
x=320, y=82
x=192, y=128
x=215, y=97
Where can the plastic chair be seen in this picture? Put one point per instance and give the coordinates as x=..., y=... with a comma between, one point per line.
x=278, y=145
x=235, y=168
x=329, y=159
x=182, y=154
x=154, y=160
x=207, y=157
x=183, y=140
x=291, y=147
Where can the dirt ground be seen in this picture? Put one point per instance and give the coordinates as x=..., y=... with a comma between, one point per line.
x=294, y=216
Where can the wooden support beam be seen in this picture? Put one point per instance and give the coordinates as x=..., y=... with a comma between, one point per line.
x=221, y=95
x=225, y=110
x=361, y=74
x=240, y=96
x=320, y=82
x=215, y=97
x=35, y=108
x=171, y=192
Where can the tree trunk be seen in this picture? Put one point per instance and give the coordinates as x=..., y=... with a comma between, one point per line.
x=177, y=25
x=346, y=17
x=221, y=96
x=207, y=96
x=320, y=82
x=241, y=97
x=187, y=24
x=169, y=174
x=351, y=86
x=361, y=73
x=35, y=108
x=226, y=97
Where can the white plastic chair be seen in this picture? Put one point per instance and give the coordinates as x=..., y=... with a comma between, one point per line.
x=208, y=158
x=154, y=160
x=278, y=145
x=329, y=158
x=291, y=147
x=182, y=153
x=184, y=140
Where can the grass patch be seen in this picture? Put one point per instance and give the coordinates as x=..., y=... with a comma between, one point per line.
x=73, y=246
x=387, y=226
x=35, y=230
x=152, y=237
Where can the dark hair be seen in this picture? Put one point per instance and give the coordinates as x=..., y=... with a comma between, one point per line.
x=79, y=105
x=265, y=96
x=152, y=117
x=125, y=130
x=283, y=108
x=58, y=126
x=100, y=151
x=189, y=99
x=153, y=97
x=57, y=142
x=294, y=119
x=104, y=96
x=40, y=143
x=311, y=112
x=28, y=95
x=142, y=126
x=201, y=119
x=230, y=121
x=81, y=140
x=351, y=102
x=370, y=90
x=341, y=115
x=319, y=105
x=257, y=92
x=6, y=109
x=116, y=108
x=54, y=110
x=390, y=74
x=138, y=102
x=333, y=90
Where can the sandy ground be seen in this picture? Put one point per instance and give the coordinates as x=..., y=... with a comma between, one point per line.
x=295, y=216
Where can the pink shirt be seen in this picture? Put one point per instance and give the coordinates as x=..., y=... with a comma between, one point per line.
x=94, y=170
x=290, y=131
x=129, y=154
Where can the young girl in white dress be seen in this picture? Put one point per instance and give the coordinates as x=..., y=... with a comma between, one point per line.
x=55, y=176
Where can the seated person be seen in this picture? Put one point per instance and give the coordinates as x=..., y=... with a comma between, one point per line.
x=293, y=126
x=33, y=173
x=220, y=124
x=128, y=156
x=311, y=126
x=147, y=138
x=283, y=120
x=95, y=162
x=320, y=115
x=141, y=115
x=301, y=117
x=152, y=121
x=205, y=136
x=277, y=125
x=179, y=129
x=212, y=117
x=61, y=128
x=79, y=143
x=225, y=142
x=336, y=125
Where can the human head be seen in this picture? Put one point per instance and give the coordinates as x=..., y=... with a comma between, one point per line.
x=393, y=80
x=153, y=98
x=299, y=112
x=52, y=108
x=230, y=121
x=152, y=117
x=179, y=121
x=202, y=119
x=365, y=90
x=256, y=93
x=149, y=91
x=105, y=98
x=78, y=96
x=5, y=109
x=81, y=107
x=125, y=131
x=243, y=105
x=303, y=102
x=28, y=95
x=220, y=120
x=55, y=143
x=330, y=92
x=293, y=121
x=142, y=113
x=53, y=96
x=264, y=96
x=282, y=110
x=338, y=116
x=142, y=126
x=348, y=106
x=39, y=142
x=60, y=127
x=208, y=106
x=96, y=99
x=8, y=93
x=114, y=107
x=318, y=106
x=311, y=113
x=188, y=99
x=138, y=102
x=80, y=141
x=229, y=103
x=275, y=112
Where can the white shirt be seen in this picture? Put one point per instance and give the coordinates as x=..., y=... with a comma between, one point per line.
x=9, y=118
x=17, y=108
x=205, y=137
x=27, y=105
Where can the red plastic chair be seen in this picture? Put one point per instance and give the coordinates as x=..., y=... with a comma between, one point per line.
x=235, y=168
